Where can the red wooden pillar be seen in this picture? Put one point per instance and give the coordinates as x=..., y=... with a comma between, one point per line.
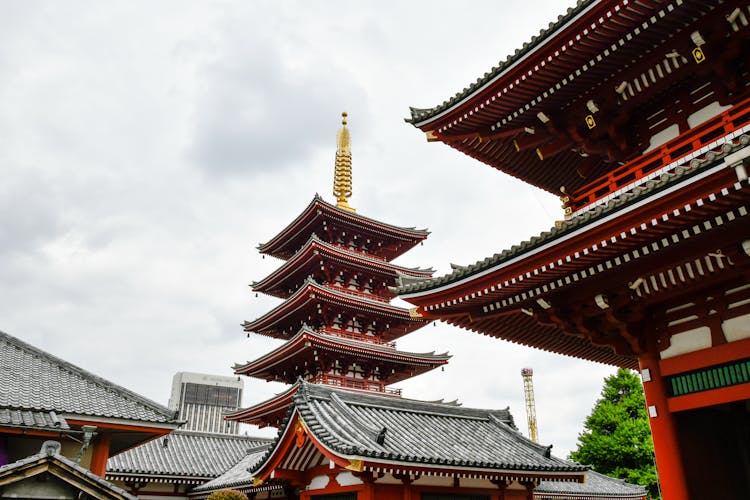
x=663, y=429
x=368, y=488
x=502, y=485
x=100, y=454
x=406, y=485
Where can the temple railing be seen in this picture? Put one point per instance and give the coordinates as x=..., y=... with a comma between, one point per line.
x=356, y=384
x=358, y=293
x=661, y=159
x=371, y=339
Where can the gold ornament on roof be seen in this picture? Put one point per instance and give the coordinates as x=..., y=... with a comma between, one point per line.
x=342, y=174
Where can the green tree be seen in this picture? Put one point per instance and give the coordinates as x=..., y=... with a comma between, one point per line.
x=227, y=495
x=617, y=438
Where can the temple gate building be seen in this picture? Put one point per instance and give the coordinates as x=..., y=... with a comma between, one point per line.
x=636, y=113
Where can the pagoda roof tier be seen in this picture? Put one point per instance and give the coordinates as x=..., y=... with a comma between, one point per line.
x=592, y=90
x=318, y=306
x=266, y=413
x=310, y=353
x=332, y=223
x=676, y=234
x=373, y=433
x=310, y=259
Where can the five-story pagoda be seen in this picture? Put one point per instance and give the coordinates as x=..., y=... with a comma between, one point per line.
x=336, y=316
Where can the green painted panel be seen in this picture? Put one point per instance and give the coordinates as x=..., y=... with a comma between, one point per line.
x=706, y=379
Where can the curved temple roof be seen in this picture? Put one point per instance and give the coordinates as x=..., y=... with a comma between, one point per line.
x=235, y=477
x=417, y=434
x=503, y=291
x=268, y=412
x=316, y=249
x=182, y=455
x=318, y=211
x=299, y=347
x=67, y=389
x=592, y=91
x=637, y=194
x=421, y=116
x=274, y=322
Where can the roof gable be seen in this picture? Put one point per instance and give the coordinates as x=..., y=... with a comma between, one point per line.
x=369, y=432
x=69, y=475
x=420, y=117
x=596, y=486
x=183, y=454
x=294, y=235
x=297, y=267
x=284, y=320
x=32, y=379
x=237, y=475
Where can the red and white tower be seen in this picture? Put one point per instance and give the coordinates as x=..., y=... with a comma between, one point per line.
x=336, y=317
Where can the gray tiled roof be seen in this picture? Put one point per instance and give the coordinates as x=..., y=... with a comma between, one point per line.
x=186, y=454
x=420, y=433
x=596, y=484
x=32, y=419
x=238, y=474
x=418, y=115
x=358, y=345
x=32, y=379
x=637, y=194
x=317, y=199
x=50, y=452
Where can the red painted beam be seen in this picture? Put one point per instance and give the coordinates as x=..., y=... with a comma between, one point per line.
x=709, y=398
x=712, y=356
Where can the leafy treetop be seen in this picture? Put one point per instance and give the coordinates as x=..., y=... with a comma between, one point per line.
x=617, y=438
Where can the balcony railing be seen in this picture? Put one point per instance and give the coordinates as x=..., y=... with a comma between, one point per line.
x=357, y=293
x=664, y=158
x=357, y=336
x=356, y=384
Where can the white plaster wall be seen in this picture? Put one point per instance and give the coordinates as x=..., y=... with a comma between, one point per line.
x=663, y=136
x=318, y=483
x=689, y=341
x=347, y=479
x=706, y=113
x=737, y=328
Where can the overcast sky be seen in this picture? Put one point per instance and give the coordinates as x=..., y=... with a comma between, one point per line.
x=146, y=148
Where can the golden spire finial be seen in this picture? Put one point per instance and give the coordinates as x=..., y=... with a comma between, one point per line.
x=342, y=174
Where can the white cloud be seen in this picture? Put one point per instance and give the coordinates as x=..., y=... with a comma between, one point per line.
x=148, y=148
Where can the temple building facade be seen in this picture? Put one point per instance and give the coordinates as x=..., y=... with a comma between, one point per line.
x=637, y=114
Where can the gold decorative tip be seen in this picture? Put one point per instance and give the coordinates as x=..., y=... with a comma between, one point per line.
x=342, y=174
x=355, y=465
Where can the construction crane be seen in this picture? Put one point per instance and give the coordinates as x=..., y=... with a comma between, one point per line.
x=528, y=391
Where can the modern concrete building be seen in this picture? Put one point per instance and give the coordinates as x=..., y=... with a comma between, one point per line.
x=203, y=400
